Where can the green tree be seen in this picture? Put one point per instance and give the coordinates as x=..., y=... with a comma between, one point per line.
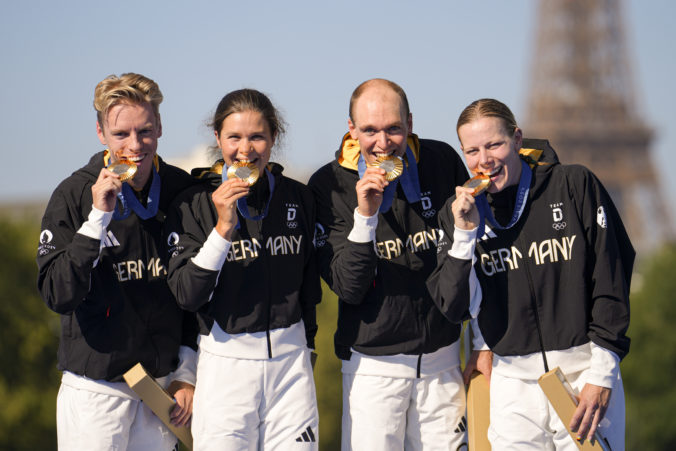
x=328, y=378
x=29, y=337
x=649, y=367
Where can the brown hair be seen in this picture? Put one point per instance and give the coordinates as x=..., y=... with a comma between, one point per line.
x=248, y=100
x=127, y=88
x=488, y=108
x=390, y=84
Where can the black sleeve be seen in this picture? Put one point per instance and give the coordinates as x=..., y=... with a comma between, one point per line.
x=65, y=258
x=613, y=260
x=348, y=268
x=190, y=330
x=186, y=233
x=449, y=283
x=311, y=289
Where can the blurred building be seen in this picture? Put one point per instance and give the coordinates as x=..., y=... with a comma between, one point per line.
x=581, y=98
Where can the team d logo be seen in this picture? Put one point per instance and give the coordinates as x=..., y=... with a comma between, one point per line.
x=428, y=211
x=291, y=218
x=557, y=217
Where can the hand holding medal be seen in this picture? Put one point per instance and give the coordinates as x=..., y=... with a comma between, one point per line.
x=225, y=200
x=464, y=208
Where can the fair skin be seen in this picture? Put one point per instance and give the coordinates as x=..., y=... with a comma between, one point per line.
x=243, y=136
x=381, y=126
x=490, y=150
x=131, y=131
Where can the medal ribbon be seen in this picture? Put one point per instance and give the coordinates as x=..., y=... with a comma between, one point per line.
x=485, y=213
x=409, y=182
x=241, y=202
x=129, y=201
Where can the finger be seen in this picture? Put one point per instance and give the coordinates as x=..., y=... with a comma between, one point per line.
x=373, y=185
x=585, y=423
x=576, y=418
x=595, y=424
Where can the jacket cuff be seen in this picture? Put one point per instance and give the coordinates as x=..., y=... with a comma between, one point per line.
x=95, y=225
x=605, y=366
x=463, y=244
x=213, y=252
x=187, y=366
x=364, y=229
x=478, y=343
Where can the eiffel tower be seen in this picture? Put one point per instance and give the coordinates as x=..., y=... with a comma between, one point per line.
x=582, y=99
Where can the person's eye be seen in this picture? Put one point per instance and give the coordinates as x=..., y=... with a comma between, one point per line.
x=394, y=130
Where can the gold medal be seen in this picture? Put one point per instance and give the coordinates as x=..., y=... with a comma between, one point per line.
x=243, y=170
x=479, y=183
x=392, y=165
x=126, y=169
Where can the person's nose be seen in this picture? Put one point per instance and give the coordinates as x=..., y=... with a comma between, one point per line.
x=484, y=158
x=134, y=144
x=382, y=140
x=245, y=148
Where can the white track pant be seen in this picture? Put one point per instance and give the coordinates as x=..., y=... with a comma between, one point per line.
x=255, y=404
x=390, y=414
x=523, y=419
x=89, y=421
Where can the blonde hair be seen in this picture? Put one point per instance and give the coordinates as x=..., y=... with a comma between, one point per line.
x=488, y=108
x=127, y=88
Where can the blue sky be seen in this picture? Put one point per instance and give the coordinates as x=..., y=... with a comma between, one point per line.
x=307, y=55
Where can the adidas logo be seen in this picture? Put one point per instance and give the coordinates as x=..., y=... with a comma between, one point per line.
x=307, y=436
x=462, y=426
x=109, y=240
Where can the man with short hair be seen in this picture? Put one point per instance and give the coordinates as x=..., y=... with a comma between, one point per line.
x=376, y=241
x=100, y=267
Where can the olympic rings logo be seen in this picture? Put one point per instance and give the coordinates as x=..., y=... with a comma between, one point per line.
x=429, y=213
x=559, y=225
x=292, y=224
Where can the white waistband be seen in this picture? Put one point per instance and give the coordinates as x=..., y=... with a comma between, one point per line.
x=403, y=365
x=254, y=346
x=531, y=366
x=120, y=389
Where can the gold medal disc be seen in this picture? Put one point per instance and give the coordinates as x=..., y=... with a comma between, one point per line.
x=126, y=169
x=244, y=171
x=479, y=183
x=392, y=165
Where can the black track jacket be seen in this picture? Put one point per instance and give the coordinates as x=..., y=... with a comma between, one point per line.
x=269, y=279
x=116, y=308
x=565, y=266
x=384, y=305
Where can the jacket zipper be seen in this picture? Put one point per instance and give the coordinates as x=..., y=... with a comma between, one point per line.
x=534, y=306
x=259, y=225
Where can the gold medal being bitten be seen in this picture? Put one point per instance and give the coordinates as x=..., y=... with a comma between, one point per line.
x=243, y=170
x=392, y=165
x=479, y=183
x=126, y=169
